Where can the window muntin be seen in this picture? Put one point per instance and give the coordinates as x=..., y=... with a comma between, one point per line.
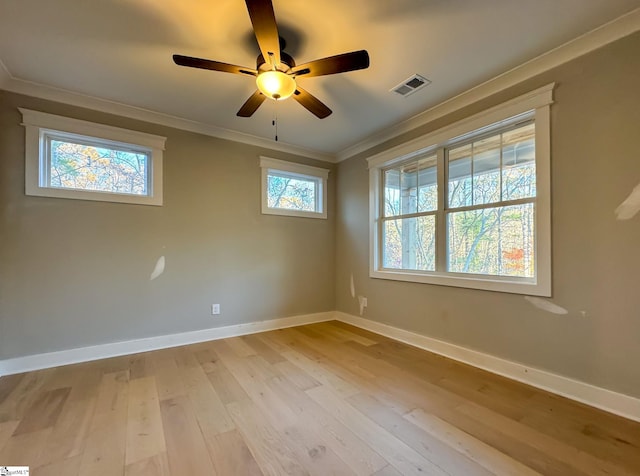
x=493, y=166
x=293, y=189
x=75, y=159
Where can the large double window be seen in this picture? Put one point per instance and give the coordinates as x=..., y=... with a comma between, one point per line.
x=468, y=205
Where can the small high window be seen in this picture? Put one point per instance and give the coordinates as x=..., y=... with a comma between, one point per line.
x=69, y=158
x=293, y=189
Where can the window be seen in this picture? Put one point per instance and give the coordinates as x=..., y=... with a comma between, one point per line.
x=69, y=158
x=468, y=205
x=293, y=189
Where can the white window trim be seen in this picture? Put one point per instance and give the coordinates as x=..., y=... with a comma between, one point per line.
x=291, y=168
x=539, y=101
x=38, y=124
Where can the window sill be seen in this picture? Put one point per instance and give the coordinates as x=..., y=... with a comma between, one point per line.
x=523, y=286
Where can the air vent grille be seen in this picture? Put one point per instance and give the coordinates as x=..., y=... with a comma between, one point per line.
x=411, y=85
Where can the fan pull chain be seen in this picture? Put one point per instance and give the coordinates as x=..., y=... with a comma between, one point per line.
x=274, y=122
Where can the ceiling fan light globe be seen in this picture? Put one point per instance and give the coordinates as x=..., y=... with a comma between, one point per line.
x=276, y=84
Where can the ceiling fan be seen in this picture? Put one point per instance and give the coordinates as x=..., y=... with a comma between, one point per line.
x=276, y=72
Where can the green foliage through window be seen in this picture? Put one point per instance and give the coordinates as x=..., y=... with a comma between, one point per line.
x=97, y=168
x=489, y=214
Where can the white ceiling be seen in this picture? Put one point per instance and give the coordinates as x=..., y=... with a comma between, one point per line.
x=120, y=51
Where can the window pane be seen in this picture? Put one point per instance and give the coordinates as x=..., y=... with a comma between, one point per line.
x=291, y=193
x=460, y=191
x=494, y=241
x=519, y=163
x=392, y=192
x=86, y=167
x=411, y=188
x=409, y=243
x=486, y=170
x=427, y=184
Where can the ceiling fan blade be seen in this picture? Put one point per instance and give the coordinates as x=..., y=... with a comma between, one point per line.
x=251, y=105
x=266, y=29
x=334, y=64
x=212, y=65
x=313, y=104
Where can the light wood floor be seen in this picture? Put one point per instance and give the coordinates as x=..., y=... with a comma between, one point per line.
x=319, y=399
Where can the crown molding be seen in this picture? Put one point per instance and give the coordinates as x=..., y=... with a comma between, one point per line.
x=608, y=33
x=42, y=91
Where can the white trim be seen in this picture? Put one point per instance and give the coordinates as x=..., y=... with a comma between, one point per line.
x=268, y=162
x=40, y=125
x=602, y=398
x=622, y=26
x=307, y=172
x=76, y=126
x=114, y=349
x=51, y=93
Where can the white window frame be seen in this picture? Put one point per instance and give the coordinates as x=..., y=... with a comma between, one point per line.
x=537, y=104
x=40, y=126
x=294, y=170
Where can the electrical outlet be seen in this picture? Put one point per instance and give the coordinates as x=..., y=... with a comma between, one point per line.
x=364, y=302
x=215, y=309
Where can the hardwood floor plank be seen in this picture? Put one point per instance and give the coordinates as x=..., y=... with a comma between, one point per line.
x=24, y=449
x=471, y=447
x=272, y=452
x=554, y=448
x=388, y=470
x=8, y=384
x=145, y=435
x=44, y=412
x=240, y=347
x=168, y=379
x=226, y=385
x=262, y=349
x=68, y=437
x=66, y=467
x=296, y=375
x=432, y=449
x=320, y=373
x=402, y=457
x=104, y=449
x=157, y=465
x=230, y=455
x=209, y=409
x=6, y=430
x=351, y=449
x=186, y=448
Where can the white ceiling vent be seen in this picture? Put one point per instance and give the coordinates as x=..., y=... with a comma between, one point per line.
x=411, y=85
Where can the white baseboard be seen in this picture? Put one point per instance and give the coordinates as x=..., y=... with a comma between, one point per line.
x=610, y=401
x=114, y=349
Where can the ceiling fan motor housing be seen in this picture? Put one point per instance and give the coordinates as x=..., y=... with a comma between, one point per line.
x=286, y=63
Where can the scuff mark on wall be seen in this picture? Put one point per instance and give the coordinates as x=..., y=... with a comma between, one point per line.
x=353, y=287
x=630, y=206
x=546, y=305
x=158, y=270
